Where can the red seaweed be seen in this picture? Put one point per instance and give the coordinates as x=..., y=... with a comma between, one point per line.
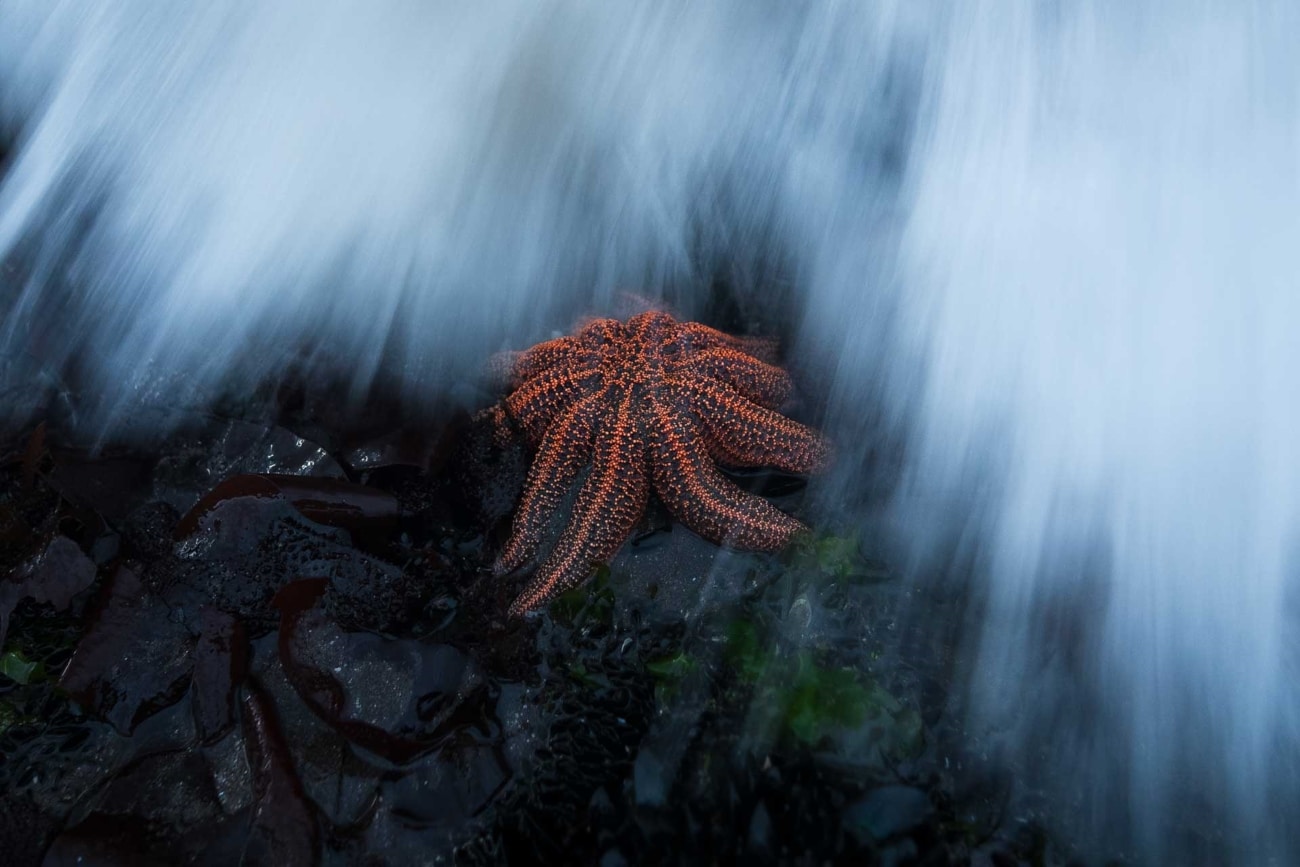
x=285, y=829
x=333, y=502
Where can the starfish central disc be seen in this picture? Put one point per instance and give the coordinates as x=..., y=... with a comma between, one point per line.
x=647, y=404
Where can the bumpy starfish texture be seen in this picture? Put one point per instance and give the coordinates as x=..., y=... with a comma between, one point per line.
x=652, y=403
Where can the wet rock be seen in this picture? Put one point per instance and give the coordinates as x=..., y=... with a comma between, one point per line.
x=489, y=476
x=614, y=858
x=54, y=577
x=220, y=665
x=111, y=841
x=192, y=462
x=160, y=809
x=147, y=531
x=246, y=548
x=134, y=659
x=406, y=447
x=595, y=717
x=110, y=484
x=616, y=731
x=758, y=840
x=24, y=829
x=446, y=791
x=31, y=391
x=899, y=854
x=397, y=700
x=887, y=812
x=670, y=574
x=231, y=776
x=652, y=778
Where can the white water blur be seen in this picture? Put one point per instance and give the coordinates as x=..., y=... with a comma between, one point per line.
x=1103, y=262
x=433, y=180
x=1059, y=244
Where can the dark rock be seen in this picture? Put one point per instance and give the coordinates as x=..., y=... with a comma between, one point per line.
x=148, y=530
x=759, y=839
x=135, y=658
x=220, y=665
x=887, y=812
x=111, y=485
x=397, y=700
x=160, y=809
x=24, y=829
x=191, y=462
x=489, y=476
x=54, y=577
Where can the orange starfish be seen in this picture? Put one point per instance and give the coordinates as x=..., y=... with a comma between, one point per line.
x=650, y=403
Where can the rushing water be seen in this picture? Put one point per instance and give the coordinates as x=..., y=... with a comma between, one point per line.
x=1054, y=250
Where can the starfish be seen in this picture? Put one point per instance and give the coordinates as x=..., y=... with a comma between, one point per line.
x=652, y=403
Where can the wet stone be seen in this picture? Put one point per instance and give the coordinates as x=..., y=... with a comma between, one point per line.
x=161, y=809
x=490, y=477
x=220, y=664
x=135, y=658
x=337, y=782
x=245, y=549
x=396, y=699
x=53, y=578
x=110, y=485
x=31, y=389
x=147, y=531
x=759, y=837
x=231, y=779
x=24, y=829
x=888, y=812
x=447, y=791
x=192, y=463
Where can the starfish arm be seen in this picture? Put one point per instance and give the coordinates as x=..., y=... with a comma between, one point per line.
x=598, y=333
x=567, y=351
x=698, y=336
x=763, y=383
x=565, y=450
x=536, y=403
x=700, y=497
x=511, y=369
x=747, y=434
x=610, y=503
